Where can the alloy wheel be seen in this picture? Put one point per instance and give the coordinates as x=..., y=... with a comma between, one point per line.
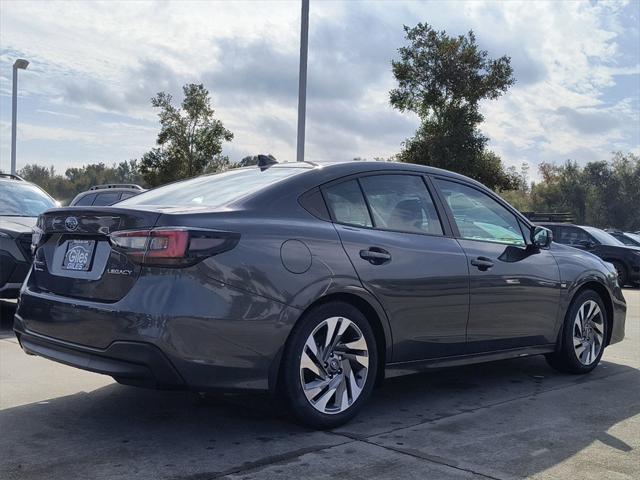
x=588, y=332
x=334, y=365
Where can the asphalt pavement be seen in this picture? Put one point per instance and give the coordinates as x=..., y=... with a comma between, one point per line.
x=510, y=419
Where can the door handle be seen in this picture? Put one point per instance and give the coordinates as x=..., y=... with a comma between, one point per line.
x=483, y=263
x=375, y=255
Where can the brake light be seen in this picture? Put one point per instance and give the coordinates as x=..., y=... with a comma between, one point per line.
x=172, y=246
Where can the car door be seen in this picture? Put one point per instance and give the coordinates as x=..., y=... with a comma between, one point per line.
x=393, y=235
x=514, y=288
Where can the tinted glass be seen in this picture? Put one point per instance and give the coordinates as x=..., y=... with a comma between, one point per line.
x=480, y=217
x=347, y=205
x=86, y=200
x=603, y=237
x=213, y=190
x=633, y=237
x=127, y=195
x=106, y=198
x=401, y=202
x=21, y=199
x=568, y=235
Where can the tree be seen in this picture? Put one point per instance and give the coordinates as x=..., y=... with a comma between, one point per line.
x=79, y=179
x=190, y=138
x=442, y=79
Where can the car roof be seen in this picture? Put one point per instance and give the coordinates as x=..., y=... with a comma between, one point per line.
x=111, y=190
x=349, y=167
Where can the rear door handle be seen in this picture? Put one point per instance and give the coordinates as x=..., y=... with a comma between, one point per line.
x=375, y=255
x=483, y=263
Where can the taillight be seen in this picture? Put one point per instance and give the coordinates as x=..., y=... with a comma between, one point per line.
x=172, y=246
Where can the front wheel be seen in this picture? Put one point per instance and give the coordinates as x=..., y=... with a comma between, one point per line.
x=330, y=365
x=583, y=336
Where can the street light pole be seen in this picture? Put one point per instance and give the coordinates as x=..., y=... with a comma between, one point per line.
x=21, y=64
x=302, y=79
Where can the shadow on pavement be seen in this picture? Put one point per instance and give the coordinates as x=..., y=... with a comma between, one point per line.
x=508, y=412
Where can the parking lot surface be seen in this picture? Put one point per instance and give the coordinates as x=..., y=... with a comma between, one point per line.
x=510, y=419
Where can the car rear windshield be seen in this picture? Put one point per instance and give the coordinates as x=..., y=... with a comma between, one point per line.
x=212, y=190
x=21, y=199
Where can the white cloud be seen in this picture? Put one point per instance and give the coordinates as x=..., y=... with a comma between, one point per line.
x=96, y=64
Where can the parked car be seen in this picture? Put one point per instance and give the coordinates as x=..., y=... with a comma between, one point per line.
x=627, y=238
x=104, y=195
x=20, y=204
x=312, y=282
x=625, y=258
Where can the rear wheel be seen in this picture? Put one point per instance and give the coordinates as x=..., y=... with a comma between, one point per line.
x=622, y=273
x=329, y=365
x=583, y=337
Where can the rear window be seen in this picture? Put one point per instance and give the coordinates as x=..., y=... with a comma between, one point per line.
x=107, y=198
x=86, y=200
x=212, y=190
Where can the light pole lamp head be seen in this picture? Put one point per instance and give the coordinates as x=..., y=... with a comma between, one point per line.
x=21, y=63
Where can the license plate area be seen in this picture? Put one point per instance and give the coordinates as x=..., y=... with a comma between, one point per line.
x=79, y=255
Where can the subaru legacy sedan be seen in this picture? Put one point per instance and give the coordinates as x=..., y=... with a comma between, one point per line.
x=312, y=282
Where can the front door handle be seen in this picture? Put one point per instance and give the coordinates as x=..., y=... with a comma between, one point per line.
x=375, y=255
x=483, y=263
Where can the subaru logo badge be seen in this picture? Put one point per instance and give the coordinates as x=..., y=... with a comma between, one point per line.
x=71, y=223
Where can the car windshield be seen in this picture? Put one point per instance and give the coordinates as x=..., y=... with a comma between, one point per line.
x=212, y=190
x=22, y=199
x=603, y=237
x=634, y=238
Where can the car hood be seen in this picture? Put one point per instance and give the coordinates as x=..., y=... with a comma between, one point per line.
x=17, y=225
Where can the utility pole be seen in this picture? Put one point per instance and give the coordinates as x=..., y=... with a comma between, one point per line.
x=302, y=79
x=21, y=64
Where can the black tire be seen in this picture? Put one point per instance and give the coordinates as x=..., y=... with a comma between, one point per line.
x=623, y=276
x=565, y=358
x=290, y=379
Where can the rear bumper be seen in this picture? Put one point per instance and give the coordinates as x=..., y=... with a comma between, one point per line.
x=170, y=334
x=132, y=363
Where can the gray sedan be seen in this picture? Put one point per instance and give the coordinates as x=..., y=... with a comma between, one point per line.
x=311, y=281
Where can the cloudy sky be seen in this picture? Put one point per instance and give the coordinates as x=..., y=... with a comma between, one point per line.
x=94, y=67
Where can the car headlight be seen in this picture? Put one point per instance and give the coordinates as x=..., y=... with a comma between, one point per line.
x=4, y=235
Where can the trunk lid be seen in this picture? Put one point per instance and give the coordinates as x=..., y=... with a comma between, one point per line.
x=75, y=258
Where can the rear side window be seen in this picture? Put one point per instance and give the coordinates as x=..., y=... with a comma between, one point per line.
x=86, y=200
x=213, y=190
x=106, y=198
x=401, y=203
x=347, y=205
x=127, y=195
x=571, y=236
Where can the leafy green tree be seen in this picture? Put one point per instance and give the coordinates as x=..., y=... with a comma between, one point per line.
x=190, y=138
x=443, y=79
x=79, y=179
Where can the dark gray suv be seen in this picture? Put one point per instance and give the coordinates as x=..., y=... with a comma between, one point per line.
x=20, y=204
x=312, y=281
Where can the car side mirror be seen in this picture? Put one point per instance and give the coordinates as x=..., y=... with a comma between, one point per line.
x=541, y=237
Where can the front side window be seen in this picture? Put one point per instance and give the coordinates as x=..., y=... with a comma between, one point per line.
x=347, y=205
x=402, y=203
x=480, y=217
